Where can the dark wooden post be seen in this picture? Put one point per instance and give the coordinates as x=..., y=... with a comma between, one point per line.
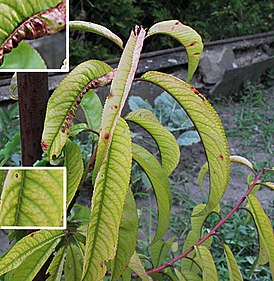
x=33, y=96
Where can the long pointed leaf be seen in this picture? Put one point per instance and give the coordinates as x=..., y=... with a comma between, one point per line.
x=120, y=88
x=127, y=237
x=64, y=102
x=136, y=265
x=207, y=264
x=209, y=127
x=26, y=246
x=96, y=28
x=73, y=267
x=265, y=231
x=55, y=269
x=32, y=264
x=32, y=198
x=107, y=204
x=233, y=269
x=74, y=163
x=187, y=36
x=160, y=183
x=168, y=146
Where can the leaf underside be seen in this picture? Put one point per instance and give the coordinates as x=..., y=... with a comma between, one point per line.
x=107, y=204
x=56, y=267
x=209, y=127
x=32, y=198
x=168, y=146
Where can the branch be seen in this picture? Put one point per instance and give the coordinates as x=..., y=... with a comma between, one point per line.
x=213, y=231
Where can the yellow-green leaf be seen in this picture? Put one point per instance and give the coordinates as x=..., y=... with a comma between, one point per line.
x=242, y=160
x=187, y=36
x=136, y=265
x=55, y=269
x=107, y=204
x=26, y=246
x=120, y=88
x=160, y=183
x=74, y=263
x=201, y=175
x=96, y=28
x=207, y=264
x=74, y=164
x=265, y=232
x=32, y=198
x=127, y=237
x=32, y=264
x=209, y=127
x=64, y=102
x=233, y=269
x=168, y=146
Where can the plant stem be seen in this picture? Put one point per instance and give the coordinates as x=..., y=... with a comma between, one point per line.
x=213, y=231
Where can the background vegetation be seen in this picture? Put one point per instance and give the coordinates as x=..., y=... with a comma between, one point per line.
x=213, y=20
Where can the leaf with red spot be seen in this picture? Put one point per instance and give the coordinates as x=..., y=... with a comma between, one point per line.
x=65, y=100
x=209, y=127
x=187, y=36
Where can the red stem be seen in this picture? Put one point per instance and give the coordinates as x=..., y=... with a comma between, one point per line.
x=212, y=232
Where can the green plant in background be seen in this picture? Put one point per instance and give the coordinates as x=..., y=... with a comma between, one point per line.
x=100, y=243
x=171, y=115
x=21, y=20
x=9, y=136
x=215, y=20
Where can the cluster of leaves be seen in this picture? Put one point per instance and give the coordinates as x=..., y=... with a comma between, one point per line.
x=214, y=20
x=102, y=241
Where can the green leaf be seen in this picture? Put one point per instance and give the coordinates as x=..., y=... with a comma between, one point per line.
x=77, y=129
x=32, y=198
x=233, y=269
x=74, y=163
x=9, y=148
x=74, y=263
x=107, y=204
x=55, y=269
x=127, y=237
x=265, y=232
x=179, y=275
x=187, y=36
x=93, y=110
x=96, y=28
x=195, y=235
x=27, y=246
x=160, y=183
x=169, y=149
x=201, y=175
x=159, y=250
x=32, y=264
x=119, y=91
x=64, y=102
x=23, y=57
x=206, y=262
x=209, y=127
x=136, y=265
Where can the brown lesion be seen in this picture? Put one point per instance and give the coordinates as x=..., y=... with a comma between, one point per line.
x=35, y=27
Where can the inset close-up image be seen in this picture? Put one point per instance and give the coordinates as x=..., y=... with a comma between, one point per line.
x=33, y=35
x=32, y=198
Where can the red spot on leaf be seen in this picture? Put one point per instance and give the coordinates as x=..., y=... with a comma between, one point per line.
x=196, y=54
x=221, y=157
x=106, y=136
x=194, y=90
x=177, y=22
x=44, y=145
x=192, y=44
x=111, y=94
